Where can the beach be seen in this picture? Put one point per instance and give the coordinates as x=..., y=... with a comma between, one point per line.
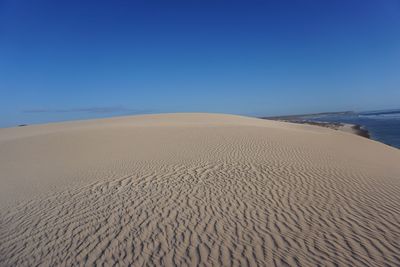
x=192, y=189
x=378, y=125
x=345, y=127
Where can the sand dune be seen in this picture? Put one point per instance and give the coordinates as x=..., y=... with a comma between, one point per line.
x=196, y=189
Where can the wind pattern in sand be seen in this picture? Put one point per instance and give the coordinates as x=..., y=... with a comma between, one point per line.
x=197, y=189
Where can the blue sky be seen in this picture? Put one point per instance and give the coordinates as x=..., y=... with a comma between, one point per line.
x=64, y=60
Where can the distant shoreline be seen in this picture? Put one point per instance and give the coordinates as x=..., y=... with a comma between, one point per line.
x=361, y=131
x=345, y=127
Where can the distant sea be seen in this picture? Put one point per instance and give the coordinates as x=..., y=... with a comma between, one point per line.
x=383, y=125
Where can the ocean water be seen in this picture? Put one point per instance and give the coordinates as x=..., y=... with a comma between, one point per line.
x=383, y=126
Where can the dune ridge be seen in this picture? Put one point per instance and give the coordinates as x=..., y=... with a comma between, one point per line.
x=196, y=189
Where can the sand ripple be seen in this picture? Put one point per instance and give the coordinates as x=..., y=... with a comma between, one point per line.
x=243, y=194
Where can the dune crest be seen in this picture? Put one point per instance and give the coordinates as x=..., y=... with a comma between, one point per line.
x=189, y=189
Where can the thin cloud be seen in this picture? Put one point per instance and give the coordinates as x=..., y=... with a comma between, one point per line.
x=97, y=110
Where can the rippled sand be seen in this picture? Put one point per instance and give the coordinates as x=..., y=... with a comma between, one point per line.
x=188, y=189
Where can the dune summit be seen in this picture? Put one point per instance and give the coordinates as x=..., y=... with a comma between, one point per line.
x=187, y=189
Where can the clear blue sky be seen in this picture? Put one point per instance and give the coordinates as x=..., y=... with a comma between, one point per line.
x=62, y=60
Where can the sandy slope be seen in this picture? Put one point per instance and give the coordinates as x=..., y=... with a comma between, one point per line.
x=191, y=189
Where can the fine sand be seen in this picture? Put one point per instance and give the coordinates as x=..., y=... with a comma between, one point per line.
x=189, y=189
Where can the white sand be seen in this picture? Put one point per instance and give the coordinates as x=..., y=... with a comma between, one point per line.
x=186, y=189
